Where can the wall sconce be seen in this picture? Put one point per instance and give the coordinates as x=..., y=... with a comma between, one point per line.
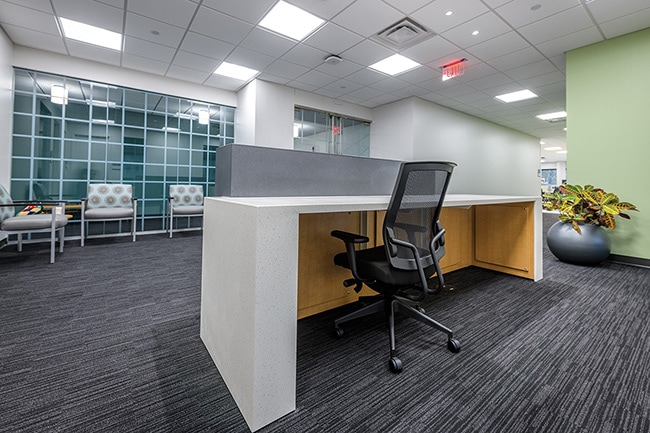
x=204, y=117
x=59, y=94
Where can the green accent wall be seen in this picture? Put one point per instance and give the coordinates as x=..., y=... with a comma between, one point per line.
x=608, y=129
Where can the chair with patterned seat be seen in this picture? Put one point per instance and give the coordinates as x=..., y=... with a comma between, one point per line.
x=108, y=202
x=184, y=201
x=53, y=223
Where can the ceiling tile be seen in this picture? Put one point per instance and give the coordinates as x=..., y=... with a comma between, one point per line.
x=93, y=13
x=492, y=81
x=266, y=42
x=516, y=59
x=521, y=13
x=143, y=64
x=488, y=25
x=193, y=61
x=499, y=46
x=333, y=39
x=407, y=7
x=316, y=78
x=433, y=15
x=340, y=70
x=145, y=28
x=250, y=59
x=219, y=26
x=94, y=53
x=177, y=13
x=430, y=49
x=187, y=74
x=376, y=14
x=27, y=18
x=562, y=24
x=531, y=70
x=41, y=5
x=286, y=69
x=559, y=46
x=206, y=46
x=367, y=53
x=140, y=48
x=250, y=11
x=304, y=55
x=604, y=11
x=225, y=83
x=623, y=25
x=34, y=39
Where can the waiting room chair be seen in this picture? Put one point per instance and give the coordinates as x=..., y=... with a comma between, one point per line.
x=414, y=243
x=53, y=223
x=108, y=202
x=184, y=201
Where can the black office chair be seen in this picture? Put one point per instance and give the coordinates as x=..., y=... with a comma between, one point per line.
x=414, y=243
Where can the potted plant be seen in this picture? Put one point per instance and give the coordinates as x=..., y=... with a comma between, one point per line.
x=578, y=236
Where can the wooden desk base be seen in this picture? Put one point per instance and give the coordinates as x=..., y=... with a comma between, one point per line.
x=498, y=237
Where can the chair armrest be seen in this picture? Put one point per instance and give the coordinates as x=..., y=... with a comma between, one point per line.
x=350, y=237
x=350, y=240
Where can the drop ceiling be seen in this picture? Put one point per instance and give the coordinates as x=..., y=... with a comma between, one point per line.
x=520, y=45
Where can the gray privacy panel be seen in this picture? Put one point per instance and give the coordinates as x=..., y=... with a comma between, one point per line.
x=255, y=171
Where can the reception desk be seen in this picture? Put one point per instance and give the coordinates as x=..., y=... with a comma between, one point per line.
x=257, y=249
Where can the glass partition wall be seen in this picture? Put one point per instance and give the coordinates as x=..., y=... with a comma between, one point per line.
x=70, y=132
x=317, y=131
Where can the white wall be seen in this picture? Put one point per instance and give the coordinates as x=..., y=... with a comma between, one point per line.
x=6, y=108
x=265, y=113
x=29, y=58
x=491, y=159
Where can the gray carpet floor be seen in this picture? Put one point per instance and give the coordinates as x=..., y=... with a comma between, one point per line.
x=107, y=340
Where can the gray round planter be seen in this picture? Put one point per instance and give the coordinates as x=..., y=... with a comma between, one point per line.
x=589, y=248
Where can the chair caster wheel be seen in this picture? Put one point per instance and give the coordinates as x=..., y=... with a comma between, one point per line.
x=338, y=332
x=395, y=364
x=453, y=345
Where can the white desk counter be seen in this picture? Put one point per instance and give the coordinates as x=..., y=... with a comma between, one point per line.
x=249, y=289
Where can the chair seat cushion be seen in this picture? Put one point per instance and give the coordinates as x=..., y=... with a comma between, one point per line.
x=373, y=264
x=109, y=213
x=188, y=210
x=32, y=222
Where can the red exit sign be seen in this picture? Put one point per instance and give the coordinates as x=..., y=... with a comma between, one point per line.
x=452, y=70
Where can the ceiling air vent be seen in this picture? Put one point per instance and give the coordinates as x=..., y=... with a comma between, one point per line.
x=403, y=34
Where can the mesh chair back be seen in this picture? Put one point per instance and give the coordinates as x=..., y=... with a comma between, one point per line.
x=413, y=213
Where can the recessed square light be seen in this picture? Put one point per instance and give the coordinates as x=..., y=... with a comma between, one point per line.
x=559, y=115
x=91, y=34
x=395, y=64
x=517, y=96
x=235, y=71
x=290, y=21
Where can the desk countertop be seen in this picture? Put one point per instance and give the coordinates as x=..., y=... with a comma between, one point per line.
x=344, y=203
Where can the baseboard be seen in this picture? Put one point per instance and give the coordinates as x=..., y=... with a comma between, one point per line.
x=634, y=261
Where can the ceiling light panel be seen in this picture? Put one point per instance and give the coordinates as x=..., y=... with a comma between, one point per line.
x=516, y=96
x=291, y=21
x=91, y=34
x=235, y=71
x=395, y=64
x=553, y=117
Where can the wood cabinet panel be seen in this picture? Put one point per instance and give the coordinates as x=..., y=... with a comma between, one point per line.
x=504, y=238
x=320, y=281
